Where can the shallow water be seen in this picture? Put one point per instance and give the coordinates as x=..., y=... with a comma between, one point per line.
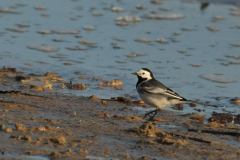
x=205, y=51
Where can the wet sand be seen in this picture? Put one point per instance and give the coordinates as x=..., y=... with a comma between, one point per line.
x=49, y=125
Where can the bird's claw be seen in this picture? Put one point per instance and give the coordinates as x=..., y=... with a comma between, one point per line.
x=154, y=112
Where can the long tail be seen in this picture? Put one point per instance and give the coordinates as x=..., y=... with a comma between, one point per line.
x=204, y=104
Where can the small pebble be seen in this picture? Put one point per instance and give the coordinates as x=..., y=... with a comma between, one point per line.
x=2, y=127
x=7, y=130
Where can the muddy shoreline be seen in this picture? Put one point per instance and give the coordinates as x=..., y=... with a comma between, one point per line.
x=40, y=124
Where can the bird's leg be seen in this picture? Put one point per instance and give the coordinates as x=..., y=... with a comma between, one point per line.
x=148, y=113
x=151, y=117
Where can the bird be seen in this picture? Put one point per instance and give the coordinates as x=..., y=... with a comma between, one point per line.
x=204, y=5
x=156, y=94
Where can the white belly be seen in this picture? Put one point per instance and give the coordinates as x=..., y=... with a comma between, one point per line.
x=158, y=101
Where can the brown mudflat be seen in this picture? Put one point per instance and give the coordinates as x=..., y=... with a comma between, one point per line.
x=46, y=125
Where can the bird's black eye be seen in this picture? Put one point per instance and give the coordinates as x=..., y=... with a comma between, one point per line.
x=143, y=73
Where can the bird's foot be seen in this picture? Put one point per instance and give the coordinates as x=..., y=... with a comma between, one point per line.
x=154, y=112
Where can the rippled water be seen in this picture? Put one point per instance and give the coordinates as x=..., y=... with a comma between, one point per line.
x=193, y=49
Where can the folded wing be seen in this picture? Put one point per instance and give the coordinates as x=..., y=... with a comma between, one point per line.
x=166, y=91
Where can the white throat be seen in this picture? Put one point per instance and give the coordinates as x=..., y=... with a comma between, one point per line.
x=144, y=74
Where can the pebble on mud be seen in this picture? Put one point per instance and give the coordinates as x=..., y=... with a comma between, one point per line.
x=157, y=120
x=79, y=86
x=123, y=99
x=104, y=102
x=84, y=151
x=111, y=83
x=27, y=138
x=50, y=75
x=149, y=130
x=178, y=107
x=171, y=141
x=9, y=69
x=13, y=136
x=117, y=116
x=41, y=128
x=2, y=127
x=55, y=154
x=235, y=101
x=20, y=127
x=94, y=98
x=107, y=151
x=36, y=88
x=213, y=124
x=197, y=118
x=48, y=127
x=132, y=118
x=8, y=130
x=139, y=102
x=59, y=140
x=167, y=141
x=105, y=115
x=218, y=119
x=126, y=156
x=47, y=86
x=192, y=104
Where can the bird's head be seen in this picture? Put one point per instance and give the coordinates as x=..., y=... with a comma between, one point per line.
x=144, y=74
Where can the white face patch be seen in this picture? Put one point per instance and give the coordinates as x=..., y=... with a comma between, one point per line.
x=144, y=74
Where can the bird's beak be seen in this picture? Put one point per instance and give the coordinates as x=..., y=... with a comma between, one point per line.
x=135, y=73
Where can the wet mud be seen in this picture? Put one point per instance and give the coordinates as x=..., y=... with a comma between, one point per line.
x=40, y=124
